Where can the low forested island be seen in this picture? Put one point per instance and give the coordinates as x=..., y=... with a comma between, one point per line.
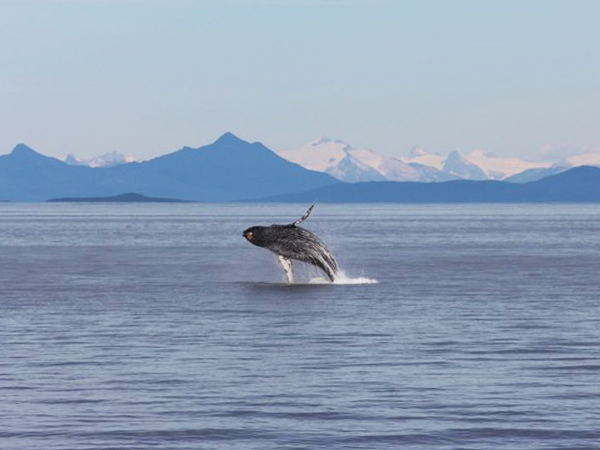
x=130, y=197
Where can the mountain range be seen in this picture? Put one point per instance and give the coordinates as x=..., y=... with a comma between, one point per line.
x=580, y=184
x=345, y=163
x=231, y=169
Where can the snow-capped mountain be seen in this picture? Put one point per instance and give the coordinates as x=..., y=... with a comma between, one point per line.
x=497, y=168
x=345, y=163
x=337, y=158
x=107, y=160
x=455, y=164
x=476, y=165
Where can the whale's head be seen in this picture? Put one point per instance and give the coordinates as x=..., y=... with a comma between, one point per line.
x=256, y=236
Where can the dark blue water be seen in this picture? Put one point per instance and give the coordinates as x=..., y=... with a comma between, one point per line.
x=158, y=326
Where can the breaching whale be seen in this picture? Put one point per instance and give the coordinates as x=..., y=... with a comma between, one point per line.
x=291, y=242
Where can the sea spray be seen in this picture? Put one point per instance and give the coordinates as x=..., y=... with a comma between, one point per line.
x=342, y=279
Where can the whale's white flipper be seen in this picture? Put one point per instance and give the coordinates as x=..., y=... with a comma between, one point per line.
x=287, y=268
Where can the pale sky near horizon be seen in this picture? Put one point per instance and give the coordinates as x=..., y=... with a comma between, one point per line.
x=146, y=77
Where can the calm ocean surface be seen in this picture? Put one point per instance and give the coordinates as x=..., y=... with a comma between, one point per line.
x=159, y=326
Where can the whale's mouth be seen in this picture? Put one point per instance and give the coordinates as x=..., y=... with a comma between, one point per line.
x=248, y=235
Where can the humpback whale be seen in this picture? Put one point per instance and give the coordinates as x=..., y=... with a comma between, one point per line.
x=292, y=242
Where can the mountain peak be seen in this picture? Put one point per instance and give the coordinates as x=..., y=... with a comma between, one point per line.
x=416, y=151
x=326, y=142
x=454, y=157
x=22, y=149
x=323, y=140
x=229, y=138
x=24, y=153
x=456, y=165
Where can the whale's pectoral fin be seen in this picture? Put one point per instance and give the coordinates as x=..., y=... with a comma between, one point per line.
x=287, y=268
x=330, y=271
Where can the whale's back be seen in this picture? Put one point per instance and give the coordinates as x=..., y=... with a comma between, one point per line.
x=297, y=243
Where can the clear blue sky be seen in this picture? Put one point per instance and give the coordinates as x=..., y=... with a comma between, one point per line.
x=144, y=77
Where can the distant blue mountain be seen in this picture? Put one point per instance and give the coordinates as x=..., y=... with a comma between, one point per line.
x=580, y=184
x=25, y=175
x=535, y=174
x=229, y=169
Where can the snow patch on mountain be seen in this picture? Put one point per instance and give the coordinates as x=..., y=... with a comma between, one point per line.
x=418, y=155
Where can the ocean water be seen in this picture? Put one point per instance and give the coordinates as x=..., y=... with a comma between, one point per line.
x=159, y=326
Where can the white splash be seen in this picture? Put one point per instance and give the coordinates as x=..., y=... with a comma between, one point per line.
x=342, y=278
